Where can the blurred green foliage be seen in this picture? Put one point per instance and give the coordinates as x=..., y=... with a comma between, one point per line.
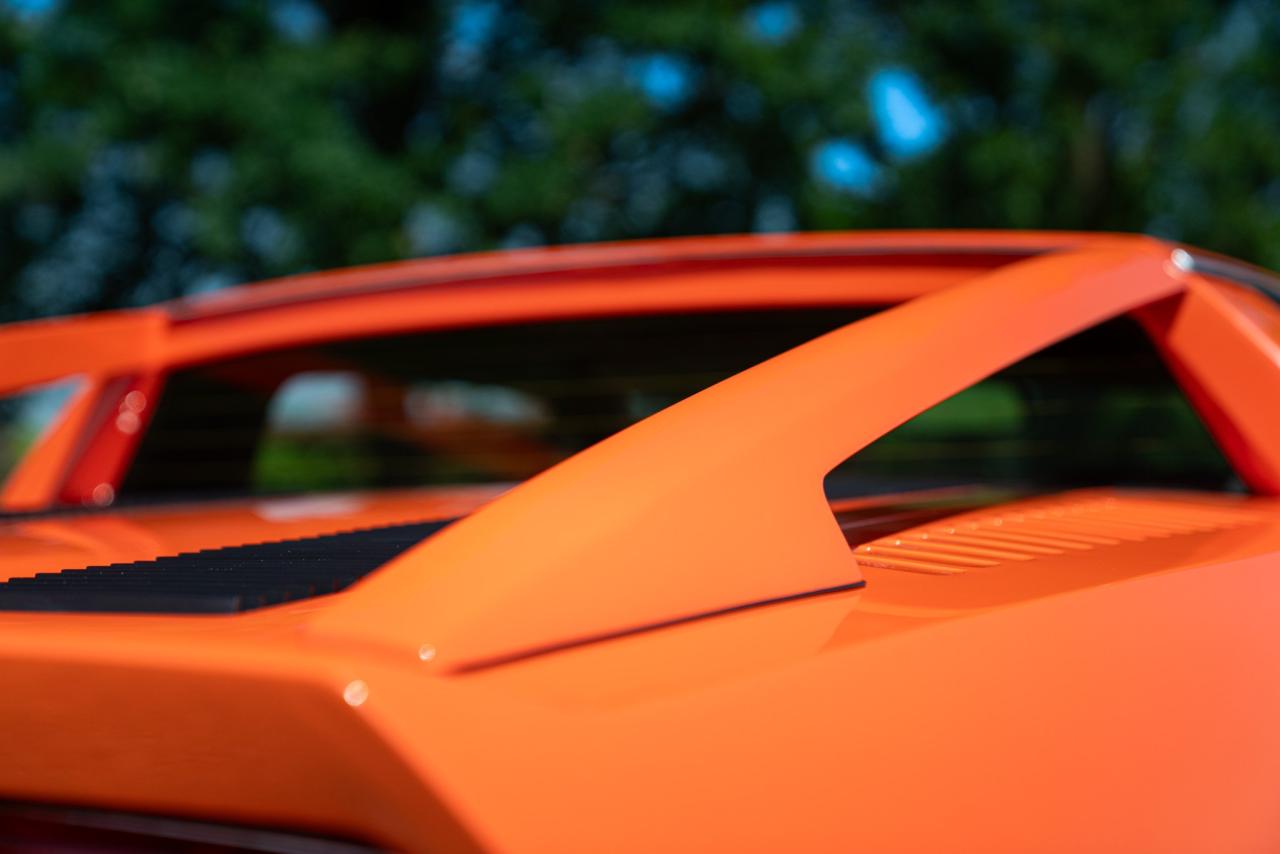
x=150, y=149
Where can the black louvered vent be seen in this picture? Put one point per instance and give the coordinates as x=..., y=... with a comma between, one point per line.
x=238, y=578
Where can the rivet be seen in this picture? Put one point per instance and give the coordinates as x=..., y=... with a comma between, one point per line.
x=128, y=422
x=356, y=692
x=1182, y=260
x=426, y=652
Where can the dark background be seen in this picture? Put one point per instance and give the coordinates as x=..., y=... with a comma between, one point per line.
x=150, y=149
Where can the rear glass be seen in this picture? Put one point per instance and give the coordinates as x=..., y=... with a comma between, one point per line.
x=491, y=404
x=1097, y=409
x=500, y=404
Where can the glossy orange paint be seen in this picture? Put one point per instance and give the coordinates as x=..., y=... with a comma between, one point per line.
x=1213, y=338
x=585, y=662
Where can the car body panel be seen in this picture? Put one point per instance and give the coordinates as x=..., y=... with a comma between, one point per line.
x=649, y=645
x=752, y=729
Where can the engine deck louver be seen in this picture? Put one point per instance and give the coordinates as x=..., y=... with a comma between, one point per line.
x=1042, y=529
x=223, y=580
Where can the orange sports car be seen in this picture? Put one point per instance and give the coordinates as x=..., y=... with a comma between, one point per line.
x=878, y=542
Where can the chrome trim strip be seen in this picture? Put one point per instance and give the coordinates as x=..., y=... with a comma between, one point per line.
x=1233, y=271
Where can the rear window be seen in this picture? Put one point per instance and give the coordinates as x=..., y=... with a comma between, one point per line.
x=1097, y=409
x=500, y=404
x=492, y=404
